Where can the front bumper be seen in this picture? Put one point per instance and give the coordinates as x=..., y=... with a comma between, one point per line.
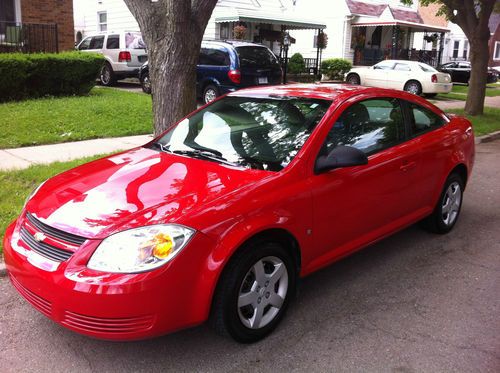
x=109, y=305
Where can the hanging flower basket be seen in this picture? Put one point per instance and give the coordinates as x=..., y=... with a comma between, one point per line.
x=322, y=40
x=431, y=38
x=239, y=32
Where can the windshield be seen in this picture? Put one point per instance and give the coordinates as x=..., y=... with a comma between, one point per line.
x=261, y=133
x=254, y=56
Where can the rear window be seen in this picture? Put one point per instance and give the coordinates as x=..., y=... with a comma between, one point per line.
x=133, y=40
x=427, y=68
x=253, y=56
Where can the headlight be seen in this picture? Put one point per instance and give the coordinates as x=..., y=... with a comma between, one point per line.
x=140, y=249
x=32, y=194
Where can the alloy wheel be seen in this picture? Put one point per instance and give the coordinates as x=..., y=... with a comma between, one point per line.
x=210, y=95
x=262, y=292
x=451, y=203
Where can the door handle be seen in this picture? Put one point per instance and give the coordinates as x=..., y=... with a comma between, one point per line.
x=406, y=166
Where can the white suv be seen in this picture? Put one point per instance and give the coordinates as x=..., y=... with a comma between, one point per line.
x=124, y=52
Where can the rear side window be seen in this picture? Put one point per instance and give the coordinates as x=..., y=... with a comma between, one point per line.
x=402, y=67
x=423, y=120
x=214, y=57
x=97, y=42
x=254, y=56
x=384, y=65
x=113, y=42
x=370, y=126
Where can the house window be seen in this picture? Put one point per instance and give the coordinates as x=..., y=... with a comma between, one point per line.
x=7, y=11
x=466, y=49
x=496, y=51
x=456, y=46
x=102, y=21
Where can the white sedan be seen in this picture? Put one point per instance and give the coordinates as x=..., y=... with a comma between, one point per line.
x=411, y=76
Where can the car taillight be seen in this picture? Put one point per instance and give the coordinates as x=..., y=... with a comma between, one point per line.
x=234, y=76
x=434, y=78
x=124, y=57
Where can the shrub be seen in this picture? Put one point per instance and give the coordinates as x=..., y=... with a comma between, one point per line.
x=296, y=64
x=335, y=68
x=47, y=74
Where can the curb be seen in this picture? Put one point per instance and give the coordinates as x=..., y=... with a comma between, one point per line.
x=488, y=138
x=3, y=270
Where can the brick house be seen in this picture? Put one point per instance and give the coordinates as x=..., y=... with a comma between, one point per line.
x=36, y=26
x=494, y=43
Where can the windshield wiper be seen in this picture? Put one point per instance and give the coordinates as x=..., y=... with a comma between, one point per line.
x=203, y=154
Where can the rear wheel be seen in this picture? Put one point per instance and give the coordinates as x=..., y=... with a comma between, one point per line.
x=210, y=93
x=253, y=292
x=413, y=87
x=447, y=210
x=353, y=79
x=107, y=76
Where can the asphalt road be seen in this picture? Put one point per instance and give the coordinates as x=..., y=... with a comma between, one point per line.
x=415, y=302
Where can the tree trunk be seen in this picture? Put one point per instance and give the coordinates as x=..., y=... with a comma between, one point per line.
x=479, y=56
x=172, y=30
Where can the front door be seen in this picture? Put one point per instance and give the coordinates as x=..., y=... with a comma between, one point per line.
x=355, y=205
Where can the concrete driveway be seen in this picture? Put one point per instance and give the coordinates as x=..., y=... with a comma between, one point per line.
x=415, y=302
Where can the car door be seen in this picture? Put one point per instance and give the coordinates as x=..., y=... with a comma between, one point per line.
x=96, y=44
x=377, y=75
x=113, y=47
x=354, y=206
x=463, y=72
x=400, y=74
x=84, y=44
x=213, y=65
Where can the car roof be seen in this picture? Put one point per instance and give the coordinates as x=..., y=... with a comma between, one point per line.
x=234, y=43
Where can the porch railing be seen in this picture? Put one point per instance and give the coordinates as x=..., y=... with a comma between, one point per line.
x=28, y=37
x=309, y=62
x=368, y=57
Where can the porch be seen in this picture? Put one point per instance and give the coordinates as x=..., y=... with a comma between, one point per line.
x=374, y=42
x=28, y=37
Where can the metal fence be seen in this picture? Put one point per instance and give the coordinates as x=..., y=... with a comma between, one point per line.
x=28, y=37
x=310, y=64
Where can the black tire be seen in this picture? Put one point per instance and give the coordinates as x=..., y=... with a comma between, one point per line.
x=107, y=76
x=437, y=221
x=430, y=95
x=227, y=315
x=146, y=84
x=210, y=93
x=353, y=79
x=413, y=87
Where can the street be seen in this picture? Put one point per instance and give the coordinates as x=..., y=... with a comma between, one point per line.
x=414, y=302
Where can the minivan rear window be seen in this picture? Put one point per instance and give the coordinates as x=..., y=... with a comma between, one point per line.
x=133, y=40
x=253, y=56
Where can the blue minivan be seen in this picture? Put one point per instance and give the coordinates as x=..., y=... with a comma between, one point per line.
x=225, y=66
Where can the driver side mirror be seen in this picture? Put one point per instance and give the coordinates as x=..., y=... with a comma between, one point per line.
x=340, y=156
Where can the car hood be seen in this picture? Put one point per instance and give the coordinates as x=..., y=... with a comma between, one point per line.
x=135, y=188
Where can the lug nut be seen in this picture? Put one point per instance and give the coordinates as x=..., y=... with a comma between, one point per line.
x=259, y=300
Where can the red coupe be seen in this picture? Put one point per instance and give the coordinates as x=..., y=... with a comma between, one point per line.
x=219, y=217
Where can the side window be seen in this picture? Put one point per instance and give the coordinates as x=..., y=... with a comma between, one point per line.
x=370, y=126
x=384, y=65
x=214, y=57
x=97, y=42
x=113, y=42
x=423, y=120
x=84, y=44
x=402, y=67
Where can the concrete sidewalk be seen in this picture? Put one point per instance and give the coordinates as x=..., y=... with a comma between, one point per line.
x=19, y=158
x=457, y=104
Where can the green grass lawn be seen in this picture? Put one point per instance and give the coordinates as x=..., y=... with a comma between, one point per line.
x=483, y=124
x=105, y=112
x=15, y=186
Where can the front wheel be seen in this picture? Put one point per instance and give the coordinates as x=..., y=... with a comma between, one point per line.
x=254, y=292
x=146, y=84
x=447, y=210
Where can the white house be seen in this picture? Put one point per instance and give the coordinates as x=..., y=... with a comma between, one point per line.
x=364, y=31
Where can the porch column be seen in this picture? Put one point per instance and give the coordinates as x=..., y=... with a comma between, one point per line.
x=394, y=47
x=441, y=45
x=317, y=51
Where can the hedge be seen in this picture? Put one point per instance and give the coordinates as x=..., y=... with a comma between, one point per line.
x=296, y=64
x=47, y=74
x=335, y=68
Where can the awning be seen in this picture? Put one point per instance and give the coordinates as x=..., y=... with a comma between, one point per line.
x=418, y=26
x=275, y=18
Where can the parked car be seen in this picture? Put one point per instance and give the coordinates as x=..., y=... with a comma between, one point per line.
x=225, y=66
x=411, y=76
x=125, y=52
x=219, y=217
x=460, y=72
